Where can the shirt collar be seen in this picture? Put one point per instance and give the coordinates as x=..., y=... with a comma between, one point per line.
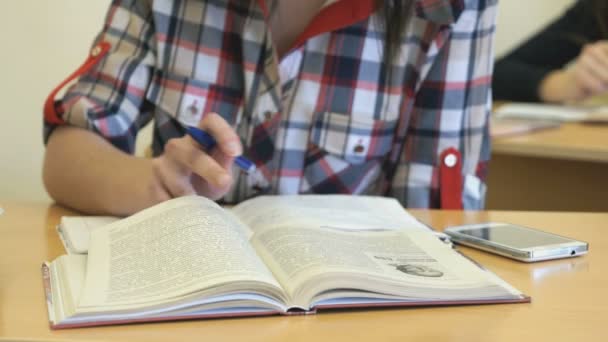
x=443, y=12
x=438, y=11
x=329, y=2
x=337, y=14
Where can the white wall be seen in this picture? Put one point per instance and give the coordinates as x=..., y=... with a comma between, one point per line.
x=43, y=41
x=519, y=18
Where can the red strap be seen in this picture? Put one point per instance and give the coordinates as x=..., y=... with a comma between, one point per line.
x=450, y=179
x=51, y=115
x=262, y=5
x=336, y=16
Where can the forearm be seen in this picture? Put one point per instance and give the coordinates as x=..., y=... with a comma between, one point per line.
x=85, y=172
x=519, y=74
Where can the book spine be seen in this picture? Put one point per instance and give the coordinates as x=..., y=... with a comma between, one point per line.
x=48, y=293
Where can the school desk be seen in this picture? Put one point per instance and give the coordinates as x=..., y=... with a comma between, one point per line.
x=563, y=169
x=569, y=301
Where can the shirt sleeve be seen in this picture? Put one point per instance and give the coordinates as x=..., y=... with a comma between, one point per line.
x=109, y=96
x=451, y=110
x=517, y=75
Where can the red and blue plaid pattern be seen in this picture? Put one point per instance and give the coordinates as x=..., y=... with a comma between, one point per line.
x=324, y=118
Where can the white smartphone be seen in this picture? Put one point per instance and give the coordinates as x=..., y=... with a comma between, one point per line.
x=516, y=242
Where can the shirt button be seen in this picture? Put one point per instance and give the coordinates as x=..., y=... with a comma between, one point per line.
x=267, y=115
x=96, y=51
x=192, y=109
x=359, y=148
x=450, y=160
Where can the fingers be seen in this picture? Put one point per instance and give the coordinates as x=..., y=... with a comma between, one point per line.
x=592, y=68
x=589, y=82
x=225, y=136
x=171, y=177
x=188, y=154
x=598, y=52
x=185, y=168
x=207, y=189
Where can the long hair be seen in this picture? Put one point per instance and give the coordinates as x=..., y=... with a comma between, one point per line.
x=395, y=15
x=394, y=18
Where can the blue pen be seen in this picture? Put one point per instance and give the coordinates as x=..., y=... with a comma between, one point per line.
x=207, y=141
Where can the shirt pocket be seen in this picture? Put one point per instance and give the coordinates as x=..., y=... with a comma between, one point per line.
x=355, y=139
x=189, y=99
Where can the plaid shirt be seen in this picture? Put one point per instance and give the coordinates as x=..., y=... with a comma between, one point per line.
x=323, y=118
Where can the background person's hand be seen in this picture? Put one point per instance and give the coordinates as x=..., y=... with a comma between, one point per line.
x=186, y=169
x=588, y=76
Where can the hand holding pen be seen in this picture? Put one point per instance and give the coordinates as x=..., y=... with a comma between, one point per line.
x=208, y=142
x=201, y=161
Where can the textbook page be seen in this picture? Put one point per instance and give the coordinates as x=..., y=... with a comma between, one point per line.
x=511, y=127
x=342, y=212
x=560, y=113
x=71, y=269
x=309, y=261
x=75, y=231
x=176, y=248
x=361, y=212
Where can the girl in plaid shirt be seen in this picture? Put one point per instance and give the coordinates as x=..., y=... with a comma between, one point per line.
x=381, y=97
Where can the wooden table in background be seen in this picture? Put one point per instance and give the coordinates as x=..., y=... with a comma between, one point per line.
x=569, y=301
x=564, y=169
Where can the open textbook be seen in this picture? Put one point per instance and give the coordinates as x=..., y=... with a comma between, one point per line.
x=190, y=258
x=75, y=231
x=557, y=113
x=500, y=128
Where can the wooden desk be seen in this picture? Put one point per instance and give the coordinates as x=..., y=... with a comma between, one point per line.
x=563, y=169
x=569, y=301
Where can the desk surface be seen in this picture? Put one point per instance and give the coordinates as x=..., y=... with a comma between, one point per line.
x=569, y=300
x=572, y=141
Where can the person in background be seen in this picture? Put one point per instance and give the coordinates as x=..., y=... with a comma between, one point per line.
x=539, y=71
x=373, y=97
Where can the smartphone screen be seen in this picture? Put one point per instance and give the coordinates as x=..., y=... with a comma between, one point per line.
x=514, y=236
